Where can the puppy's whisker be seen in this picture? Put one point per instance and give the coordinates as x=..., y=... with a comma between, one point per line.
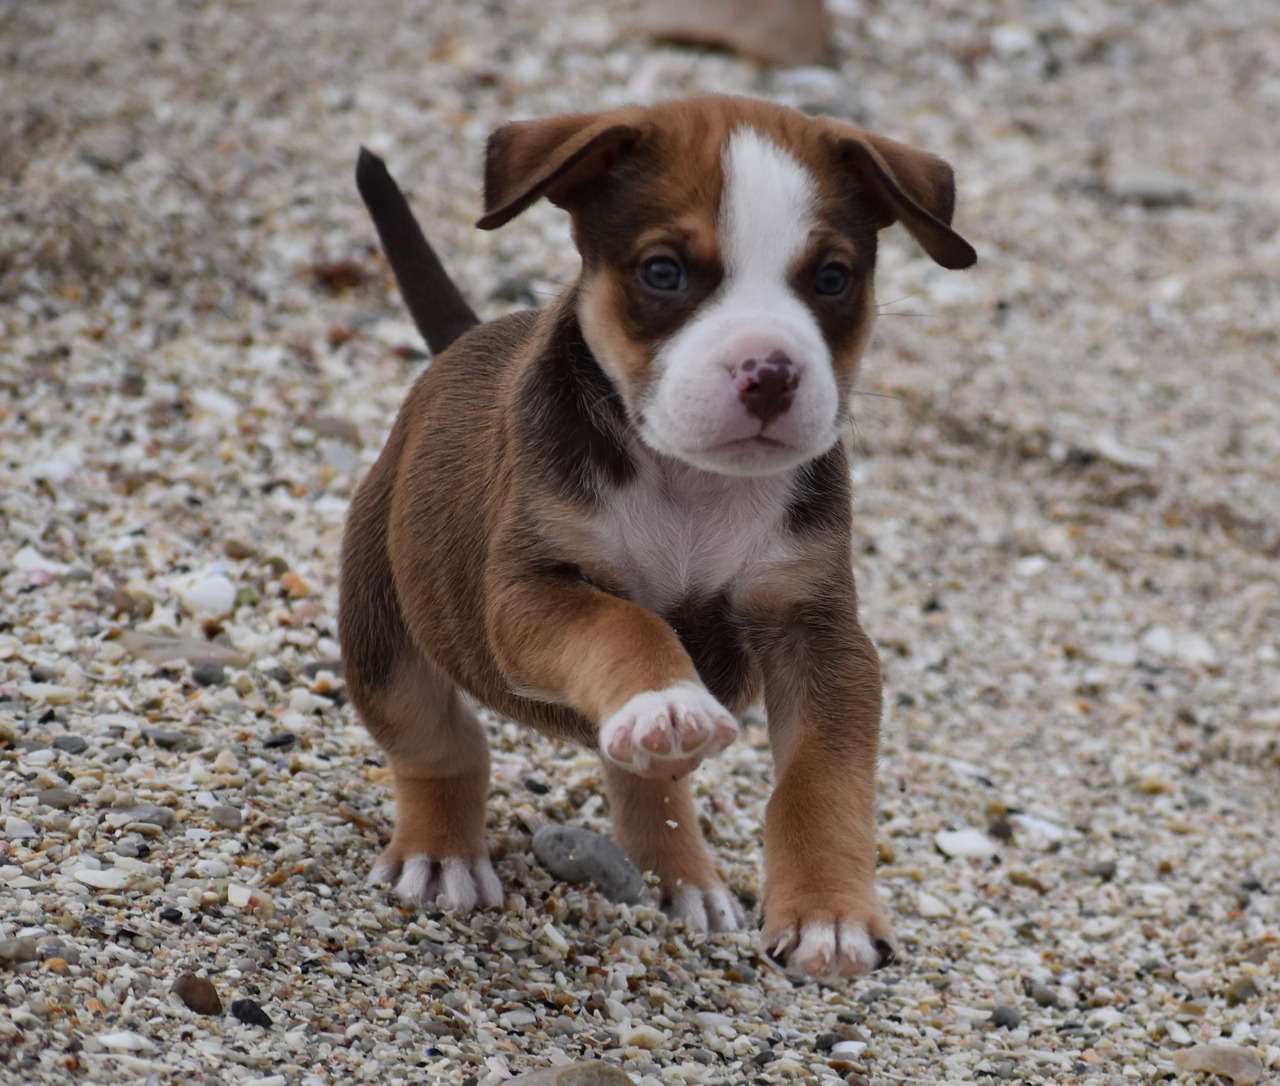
x=882, y=306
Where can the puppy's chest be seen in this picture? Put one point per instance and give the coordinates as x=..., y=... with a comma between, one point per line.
x=679, y=533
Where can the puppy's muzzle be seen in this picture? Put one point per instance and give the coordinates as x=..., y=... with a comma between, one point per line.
x=766, y=388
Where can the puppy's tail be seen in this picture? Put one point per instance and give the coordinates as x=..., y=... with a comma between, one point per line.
x=439, y=311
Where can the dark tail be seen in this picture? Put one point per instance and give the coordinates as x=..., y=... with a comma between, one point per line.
x=439, y=311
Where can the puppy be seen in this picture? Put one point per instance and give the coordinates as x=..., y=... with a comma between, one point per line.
x=625, y=518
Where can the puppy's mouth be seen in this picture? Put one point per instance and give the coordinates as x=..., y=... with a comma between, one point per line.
x=755, y=441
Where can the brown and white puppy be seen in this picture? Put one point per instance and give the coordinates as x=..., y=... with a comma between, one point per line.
x=625, y=518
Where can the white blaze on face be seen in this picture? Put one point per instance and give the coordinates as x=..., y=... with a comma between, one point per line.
x=693, y=411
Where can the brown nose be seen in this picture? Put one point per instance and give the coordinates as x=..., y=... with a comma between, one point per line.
x=766, y=388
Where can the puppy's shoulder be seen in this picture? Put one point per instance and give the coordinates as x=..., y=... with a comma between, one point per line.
x=493, y=346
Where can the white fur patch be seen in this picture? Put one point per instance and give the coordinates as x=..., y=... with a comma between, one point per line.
x=459, y=884
x=707, y=910
x=692, y=411
x=675, y=530
x=822, y=949
x=675, y=727
x=766, y=212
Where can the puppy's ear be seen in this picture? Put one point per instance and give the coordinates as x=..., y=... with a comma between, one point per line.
x=554, y=157
x=912, y=187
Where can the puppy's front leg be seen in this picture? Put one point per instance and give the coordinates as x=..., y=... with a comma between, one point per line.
x=822, y=692
x=624, y=669
x=559, y=639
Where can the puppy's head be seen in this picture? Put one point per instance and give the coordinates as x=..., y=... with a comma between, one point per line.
x=728, y=249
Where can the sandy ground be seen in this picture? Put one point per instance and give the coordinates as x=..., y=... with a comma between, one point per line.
x=1068, y=530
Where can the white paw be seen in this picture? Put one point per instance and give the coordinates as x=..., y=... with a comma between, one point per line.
x=666, y=733
x=460, y=885
x=707, y=910
x=830, y=951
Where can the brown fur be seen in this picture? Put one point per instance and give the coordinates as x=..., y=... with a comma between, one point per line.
x=469, y=564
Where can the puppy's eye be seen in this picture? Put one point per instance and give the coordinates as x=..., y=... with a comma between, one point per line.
x=832, y=279
x=662, y=273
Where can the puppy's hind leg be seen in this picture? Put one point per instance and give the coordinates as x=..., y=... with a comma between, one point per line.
x=439, y=760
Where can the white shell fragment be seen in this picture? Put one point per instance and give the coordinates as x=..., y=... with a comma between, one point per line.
x=965, y=844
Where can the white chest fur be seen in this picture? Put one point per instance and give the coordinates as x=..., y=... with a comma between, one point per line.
x=676, y=530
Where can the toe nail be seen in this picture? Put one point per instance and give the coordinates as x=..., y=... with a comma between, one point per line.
x=884, y=953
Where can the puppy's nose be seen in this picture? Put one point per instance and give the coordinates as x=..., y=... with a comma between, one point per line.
x=766, y=387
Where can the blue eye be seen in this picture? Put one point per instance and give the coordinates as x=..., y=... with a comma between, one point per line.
x=832, y=279
x=662, y=273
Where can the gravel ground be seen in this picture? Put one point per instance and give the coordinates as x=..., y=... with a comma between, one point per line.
x=1069, y=524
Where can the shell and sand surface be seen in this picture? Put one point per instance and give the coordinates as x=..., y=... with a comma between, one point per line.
x=1068, y=532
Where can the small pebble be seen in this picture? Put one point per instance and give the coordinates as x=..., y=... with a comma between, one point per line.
x=965, y=844
x=640, y=1035
x=930, y=907
x=229, y=818
x=280, y=741
x=109, y=878
x=15, y=829
x=226, y=762
x=1151, y=187
x=580, y=855
x=1006, y=1016
x=19, y=950
x=71, y=744
x=150, y=814
x=1044, y=996
x=199, y=994
x=1241, y=990
x=1241, y=1065
x=238, y=548
x=125, y=1041
x=165, y=739
x=212, y=595
x=250, y=1013
x=208, y=674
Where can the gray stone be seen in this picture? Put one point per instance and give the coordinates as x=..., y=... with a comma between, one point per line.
x=109, y=147
x=59, y=798
x=208, y=673
x=1241, y=990
x=593, y=1073
x=229, y=818
x=150, y=814
x=1044, y=996
x=1006, y=1016
x=18, y=950
x=1151, y=187
x=71, y=744
x=579, y=855
x=164, y=738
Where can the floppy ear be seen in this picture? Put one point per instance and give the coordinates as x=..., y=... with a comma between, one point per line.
x=554, y=157
x=913, y=187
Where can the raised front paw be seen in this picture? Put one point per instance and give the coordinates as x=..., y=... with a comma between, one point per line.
x=828, y=946
x=666, y=733
x=461, y=885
